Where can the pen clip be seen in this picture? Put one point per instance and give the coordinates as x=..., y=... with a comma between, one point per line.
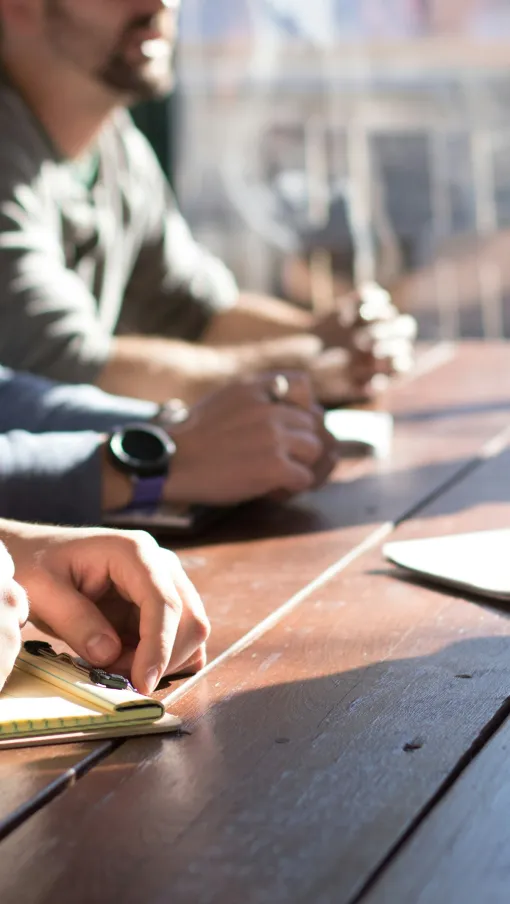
x=97, y=676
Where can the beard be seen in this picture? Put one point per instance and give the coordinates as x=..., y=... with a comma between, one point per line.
x=146, y=80
x=149, y=77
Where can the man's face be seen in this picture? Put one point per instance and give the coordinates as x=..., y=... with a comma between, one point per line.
x=126, y=45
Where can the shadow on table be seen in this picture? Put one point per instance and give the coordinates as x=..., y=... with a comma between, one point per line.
x=371, y=500
x=452, y=411
x=300, y=786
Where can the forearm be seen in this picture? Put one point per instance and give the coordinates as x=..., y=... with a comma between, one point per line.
x=158, y=369
x=146, y=367
x=257, y=317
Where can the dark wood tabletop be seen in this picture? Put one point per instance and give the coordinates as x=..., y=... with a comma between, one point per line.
x=348, y=740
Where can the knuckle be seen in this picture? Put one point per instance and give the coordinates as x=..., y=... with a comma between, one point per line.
x=201, y=660
x=140, y=542
x=316, y=448
x=282, y=465
x=173, y=560
x=272, y=431
x=175, y=604
x=165, y=649
x=16, y=598
x=11, y=637
x=202, y=628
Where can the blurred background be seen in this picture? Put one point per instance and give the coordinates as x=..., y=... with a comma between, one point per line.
x=314, y=144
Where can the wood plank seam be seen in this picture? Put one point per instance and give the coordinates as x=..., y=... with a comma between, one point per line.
x=432, y=360
x=478, y=745
x=266, y=625
x=489, y=450
x=55, y=789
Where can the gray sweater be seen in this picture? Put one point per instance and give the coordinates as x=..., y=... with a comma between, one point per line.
x=81, y=261
x=49, y=447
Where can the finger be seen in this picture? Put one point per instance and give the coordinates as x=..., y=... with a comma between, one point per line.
x=306, y=448
x=17, y=599
x=193, y=665
x=194, y=626
x=293, y=477
x=299, y=390
x=124, y=664
x=332, y=378
x=348, y=309
x=6, y=565
x=403, y=327
x=74, y=618
x=292, y=418
x=325, y=466
x=375, y=301
x=10, y=643
x=387, y=358
x=144, y=573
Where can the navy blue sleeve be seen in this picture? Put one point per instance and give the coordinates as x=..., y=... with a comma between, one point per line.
x=32, y=403
x=51, y=477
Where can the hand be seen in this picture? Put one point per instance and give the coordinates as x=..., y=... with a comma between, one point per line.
x=337, y=375
x=238, y=444
x=13, y=615
x=370, y=327
x=116, y=598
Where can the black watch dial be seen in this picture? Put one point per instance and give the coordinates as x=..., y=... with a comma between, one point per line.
x=143, y=450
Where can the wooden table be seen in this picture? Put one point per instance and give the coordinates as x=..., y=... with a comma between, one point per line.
x=348, y=740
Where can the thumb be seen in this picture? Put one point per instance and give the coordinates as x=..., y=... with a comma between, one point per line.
x=77, y=621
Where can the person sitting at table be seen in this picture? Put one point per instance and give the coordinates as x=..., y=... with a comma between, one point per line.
x=100, y=279
x=65, y=450
x=116, y=598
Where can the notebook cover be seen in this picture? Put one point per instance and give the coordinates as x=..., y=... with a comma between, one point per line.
x=50, y=697
x=167, y=725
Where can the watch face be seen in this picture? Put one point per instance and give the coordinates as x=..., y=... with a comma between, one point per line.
x=142, y=450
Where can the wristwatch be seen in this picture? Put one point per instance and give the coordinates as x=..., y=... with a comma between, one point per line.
x=144, y=452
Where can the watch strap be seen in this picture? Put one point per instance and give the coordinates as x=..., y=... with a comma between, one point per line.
x=148, y=492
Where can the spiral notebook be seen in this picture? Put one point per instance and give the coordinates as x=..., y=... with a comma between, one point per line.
x=52, y=698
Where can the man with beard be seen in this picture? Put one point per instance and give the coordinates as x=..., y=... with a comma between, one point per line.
x=100, y=278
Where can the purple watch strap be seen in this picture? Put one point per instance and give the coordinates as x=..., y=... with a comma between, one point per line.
x=148, y=492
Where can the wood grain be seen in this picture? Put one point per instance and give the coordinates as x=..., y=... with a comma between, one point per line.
x=258, y=560
x=461, y=854
x=312, y=751
x=31, y=777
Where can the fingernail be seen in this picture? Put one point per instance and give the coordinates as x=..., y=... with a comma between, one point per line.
x=152, y=679
x=101, y=648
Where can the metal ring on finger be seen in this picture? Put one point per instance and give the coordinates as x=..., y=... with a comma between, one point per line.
x=279, y=388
